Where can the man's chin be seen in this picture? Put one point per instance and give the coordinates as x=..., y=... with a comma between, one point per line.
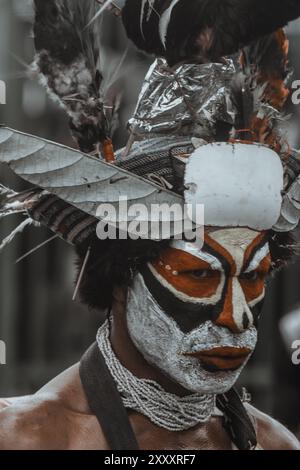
x=210, y=380
x=211, y=373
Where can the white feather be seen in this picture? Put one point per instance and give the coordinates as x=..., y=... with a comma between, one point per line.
x=165, y=21
x=150, y=9
x=100, y=11
x=17, y=230
x=150, y=4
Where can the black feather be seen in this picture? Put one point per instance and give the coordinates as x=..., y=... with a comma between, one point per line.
x=206, y=29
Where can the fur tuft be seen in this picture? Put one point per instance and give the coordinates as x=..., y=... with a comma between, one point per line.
x=72, y=69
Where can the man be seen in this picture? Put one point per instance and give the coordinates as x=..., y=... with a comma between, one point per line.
x=178, y=336
x=182, y=315
x=59, y=417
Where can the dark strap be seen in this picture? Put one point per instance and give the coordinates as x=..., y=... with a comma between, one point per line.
x=106, y=404
x=105, y=401
x=236, y=420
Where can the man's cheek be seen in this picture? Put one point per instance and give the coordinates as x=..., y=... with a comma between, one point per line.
x=257, y=312
x=253, y=291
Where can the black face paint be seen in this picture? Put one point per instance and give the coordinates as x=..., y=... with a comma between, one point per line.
x=189, y=315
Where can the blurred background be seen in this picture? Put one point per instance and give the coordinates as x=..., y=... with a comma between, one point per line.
x=44, y=331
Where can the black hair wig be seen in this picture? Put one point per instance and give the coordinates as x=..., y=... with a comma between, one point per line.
x=112, y=263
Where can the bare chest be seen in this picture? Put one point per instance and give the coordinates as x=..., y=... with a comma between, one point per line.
x=87, y=435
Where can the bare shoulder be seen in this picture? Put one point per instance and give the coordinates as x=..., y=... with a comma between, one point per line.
x=55, y=418
x=3, y=404
x=25, y=424
x=272, y=435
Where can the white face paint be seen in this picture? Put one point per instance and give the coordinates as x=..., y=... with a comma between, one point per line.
x=165, y=344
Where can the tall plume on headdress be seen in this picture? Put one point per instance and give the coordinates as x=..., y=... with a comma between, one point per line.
x=72, y=67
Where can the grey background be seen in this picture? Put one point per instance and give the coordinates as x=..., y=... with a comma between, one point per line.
x=44, y=330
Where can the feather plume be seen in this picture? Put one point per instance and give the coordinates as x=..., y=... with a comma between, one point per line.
x=4, y=191
x=105, y=5
x=115, y=6
x=15, y=232
x=147, y=8
x=71, y=65
x=165, y=21
x=16, y=203
x=264, y=89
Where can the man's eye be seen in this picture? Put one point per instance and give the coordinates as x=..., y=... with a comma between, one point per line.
x=200, y=273
x=252, y=276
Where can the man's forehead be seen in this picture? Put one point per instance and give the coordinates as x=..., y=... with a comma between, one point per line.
x=235, y=237
x=230, y=239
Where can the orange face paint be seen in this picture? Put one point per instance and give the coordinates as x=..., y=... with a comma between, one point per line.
x=227, y=275
x=192, y=312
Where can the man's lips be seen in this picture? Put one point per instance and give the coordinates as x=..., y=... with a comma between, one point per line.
x=224, y=358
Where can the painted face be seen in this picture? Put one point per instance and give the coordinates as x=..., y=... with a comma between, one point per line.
x=193, y=313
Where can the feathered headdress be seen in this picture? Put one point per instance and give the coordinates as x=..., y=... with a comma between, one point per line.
x=188, y=107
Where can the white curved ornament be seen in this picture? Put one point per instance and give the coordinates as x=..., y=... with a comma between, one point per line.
x=239, y=184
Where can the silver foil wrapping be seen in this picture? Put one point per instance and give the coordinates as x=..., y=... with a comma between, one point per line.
x=187, y=100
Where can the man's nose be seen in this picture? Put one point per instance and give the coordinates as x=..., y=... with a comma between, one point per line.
x=235, y=314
